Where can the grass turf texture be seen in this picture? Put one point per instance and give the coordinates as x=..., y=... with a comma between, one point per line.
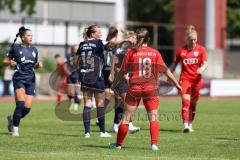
x=44, y=136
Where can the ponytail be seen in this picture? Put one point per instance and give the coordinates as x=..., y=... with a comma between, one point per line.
x=142, y=37
x=21, y=32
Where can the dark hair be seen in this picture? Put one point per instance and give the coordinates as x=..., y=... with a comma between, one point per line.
x=88, y=31
x=57, y=56
x=112, y=32
x=142, y=37
x=21, y=32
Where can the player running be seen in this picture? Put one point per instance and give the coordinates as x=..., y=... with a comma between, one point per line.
x=144, y=65
x=193, y=59
x=24, y=57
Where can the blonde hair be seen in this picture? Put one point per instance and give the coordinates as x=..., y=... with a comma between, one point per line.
x=127, y=34
x=190, y=30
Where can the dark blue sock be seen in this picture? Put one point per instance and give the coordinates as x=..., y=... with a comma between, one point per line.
x=76, y=99
x=101, y=118
x=25, y=111
x=118, y=110
x=86, y=118
x=17, y=115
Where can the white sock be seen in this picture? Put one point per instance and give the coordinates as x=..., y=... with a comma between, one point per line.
x=185, y=125
x=75, y=106
x=190, y=125
x=15, y=129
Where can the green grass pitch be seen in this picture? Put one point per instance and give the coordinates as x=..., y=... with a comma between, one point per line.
x=44, y=136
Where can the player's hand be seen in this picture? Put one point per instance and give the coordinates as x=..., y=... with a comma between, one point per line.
x=179, y=87
x=13, y=63
x=199, y=71
x=39, y=64
x=111, y=78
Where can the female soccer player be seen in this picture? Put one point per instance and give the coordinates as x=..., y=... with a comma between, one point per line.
x=62, y=84
x=144, y=65
x=25, y=58
x=91, y=61
x=109, y=50
x=193, y=59
x=129, y=41
x=73, y=84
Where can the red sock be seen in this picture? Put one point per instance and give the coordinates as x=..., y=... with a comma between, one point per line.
x=192, y=111
x=185, y=110
x=122, y=132
x=154, y=131
x=59, y=98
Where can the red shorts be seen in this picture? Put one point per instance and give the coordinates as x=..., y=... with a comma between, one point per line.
x=147, y=93
x=191, y=88
x=63, y=83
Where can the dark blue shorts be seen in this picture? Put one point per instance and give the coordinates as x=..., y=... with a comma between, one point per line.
x=97, y=87
x=29, y=87
x=106, y=74
x=73, y=79
x=122, y=87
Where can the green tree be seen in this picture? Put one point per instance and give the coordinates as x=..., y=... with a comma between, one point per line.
x=160, y=11
x=233, y=16
x=27, y=6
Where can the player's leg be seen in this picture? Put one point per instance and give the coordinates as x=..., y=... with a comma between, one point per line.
x=18, y=112
x=100, y=99
x=130, y=107
x=118, y=112
x=123, y=91
x=87, y=99
x=193, y=105
x=151, y=105
x=186, y=97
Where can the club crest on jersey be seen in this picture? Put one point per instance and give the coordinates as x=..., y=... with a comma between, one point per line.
x=34, y=54
x=20, y=52
x=183, y=53
x=195, y=54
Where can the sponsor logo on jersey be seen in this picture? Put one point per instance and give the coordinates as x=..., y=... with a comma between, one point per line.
x=190, y=61
x=196, y=53
x=33, y=54
x=183, y=53
x=23, y=59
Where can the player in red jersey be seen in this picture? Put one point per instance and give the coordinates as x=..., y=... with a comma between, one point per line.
x=62, y=73
x=144, y=64
x=193, y=59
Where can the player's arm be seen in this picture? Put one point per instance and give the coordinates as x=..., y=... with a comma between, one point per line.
x=39, y=64
x=112, y=71
x=171, y=77
x=66, y=70
x=202, y=68
x=204, y=64
x=9, y=62
x=177, y=59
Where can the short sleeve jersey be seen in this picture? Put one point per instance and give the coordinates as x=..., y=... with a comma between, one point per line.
x=191, y=60
x=144, y=64
x=26, y=58
x=91, y=59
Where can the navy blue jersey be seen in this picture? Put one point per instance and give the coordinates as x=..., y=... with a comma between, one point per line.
x=108, y=54
x=73, y=78
x=91, y=60
x=26, y=58
x=121, y=51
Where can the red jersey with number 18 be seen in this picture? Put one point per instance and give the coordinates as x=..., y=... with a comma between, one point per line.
x=191, y=60
x=143, y=65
